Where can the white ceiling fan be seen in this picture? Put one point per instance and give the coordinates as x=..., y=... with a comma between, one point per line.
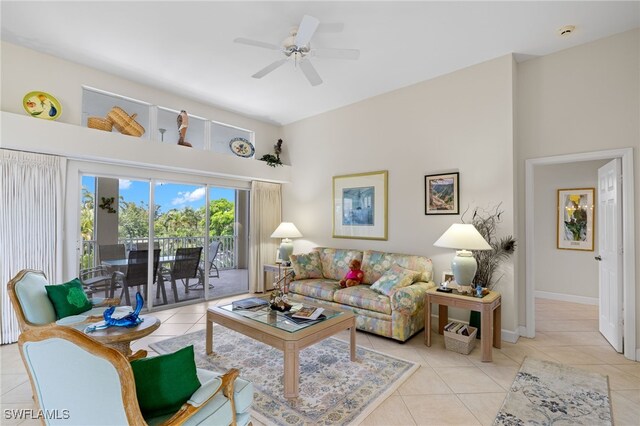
x=298, y=48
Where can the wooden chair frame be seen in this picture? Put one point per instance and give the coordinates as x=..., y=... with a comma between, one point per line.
x=123, y=367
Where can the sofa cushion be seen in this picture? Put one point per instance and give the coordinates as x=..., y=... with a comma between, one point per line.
x=33, y=299
x=396, y=277
x=317, y=288
x=306, y=266
x=376, y=263
x=361, y=296
x=335, y=262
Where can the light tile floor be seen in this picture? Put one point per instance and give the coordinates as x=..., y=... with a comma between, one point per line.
x=448, y=388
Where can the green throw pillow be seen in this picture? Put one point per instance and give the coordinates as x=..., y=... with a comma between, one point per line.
x=68, y=299
x=394, y=278
x=165, y=382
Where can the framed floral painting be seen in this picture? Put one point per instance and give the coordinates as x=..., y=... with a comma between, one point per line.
x=360, y=206
x=576, y=211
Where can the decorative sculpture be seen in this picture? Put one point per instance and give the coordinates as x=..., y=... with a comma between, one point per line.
x=130, y=320
x=183, y=123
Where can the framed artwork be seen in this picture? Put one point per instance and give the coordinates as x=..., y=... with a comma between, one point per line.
x=441, y=194
x=576, y=211
x=447, y=277
x=360, y=206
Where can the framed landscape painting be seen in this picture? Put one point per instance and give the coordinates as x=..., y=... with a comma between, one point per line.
x=441, y=194
x=360, y=206
x=576, y=211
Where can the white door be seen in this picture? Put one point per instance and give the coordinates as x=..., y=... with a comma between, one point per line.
x=609, y=256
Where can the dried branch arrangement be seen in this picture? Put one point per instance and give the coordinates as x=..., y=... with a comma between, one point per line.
x=486, y=222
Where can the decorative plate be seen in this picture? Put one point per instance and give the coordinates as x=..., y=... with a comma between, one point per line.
x=42, y=105
x=242, y=147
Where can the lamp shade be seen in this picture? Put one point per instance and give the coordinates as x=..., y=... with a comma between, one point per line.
x=462, y=236
x=286, y=230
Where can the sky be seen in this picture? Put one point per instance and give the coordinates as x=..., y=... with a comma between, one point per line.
x=167, y=195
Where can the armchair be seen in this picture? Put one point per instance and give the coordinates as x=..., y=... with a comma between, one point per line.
x=33, y=307
x=66, y=368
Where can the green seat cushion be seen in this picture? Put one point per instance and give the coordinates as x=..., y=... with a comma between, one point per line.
x=165, y=382
x=68, y=298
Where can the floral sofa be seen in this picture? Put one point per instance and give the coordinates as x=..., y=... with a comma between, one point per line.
x=391, y=300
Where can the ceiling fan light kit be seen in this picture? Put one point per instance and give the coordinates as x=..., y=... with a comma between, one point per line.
x=298, y=48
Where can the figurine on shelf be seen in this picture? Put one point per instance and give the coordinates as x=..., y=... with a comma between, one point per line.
x=183, y=123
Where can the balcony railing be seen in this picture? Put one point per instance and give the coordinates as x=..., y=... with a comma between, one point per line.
x=226, y=258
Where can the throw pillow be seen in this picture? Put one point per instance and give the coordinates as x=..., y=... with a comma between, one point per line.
x=394, y=278
x=165, y=382
x=306, y=266
x=68, y=298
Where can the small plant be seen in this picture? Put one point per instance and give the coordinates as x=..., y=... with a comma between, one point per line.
x=486, y=222
x=273, y=160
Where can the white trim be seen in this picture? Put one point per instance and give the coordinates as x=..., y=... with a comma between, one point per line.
x=510, y=335
x=629, y=272
x=583, y=300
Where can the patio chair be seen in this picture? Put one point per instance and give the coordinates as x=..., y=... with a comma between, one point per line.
x=136, y=275
x=94, y=384
x=145, y=246
x=96, y=279
x=111, y=252
x=186, y=266
x=214, y=247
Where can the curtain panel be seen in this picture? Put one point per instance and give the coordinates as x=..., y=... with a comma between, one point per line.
x=31, y=217
x=265, y=216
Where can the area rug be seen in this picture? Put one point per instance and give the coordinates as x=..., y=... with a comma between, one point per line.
x=333, y=390
x=548, y=393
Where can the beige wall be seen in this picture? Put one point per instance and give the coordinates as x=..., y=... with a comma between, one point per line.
x=25, y=70
x=462, y=122
x=563, y=272
x=579, y=100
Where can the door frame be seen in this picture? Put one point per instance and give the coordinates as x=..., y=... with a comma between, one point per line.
x=628, y=239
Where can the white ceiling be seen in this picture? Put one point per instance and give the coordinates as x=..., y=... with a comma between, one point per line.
x=187, y=47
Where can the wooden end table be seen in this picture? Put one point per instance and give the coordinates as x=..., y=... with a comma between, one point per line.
x=277, y=268
x=490, y=316
x=120, y=338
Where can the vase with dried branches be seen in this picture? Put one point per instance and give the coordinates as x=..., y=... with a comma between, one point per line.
x=486, y=221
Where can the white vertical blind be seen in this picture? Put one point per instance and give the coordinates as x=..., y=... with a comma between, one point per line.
x=265, y=216
x=31, y=210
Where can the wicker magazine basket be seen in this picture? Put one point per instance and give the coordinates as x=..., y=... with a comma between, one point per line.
x=125, y=123
x=99, y=123
x=460, y=343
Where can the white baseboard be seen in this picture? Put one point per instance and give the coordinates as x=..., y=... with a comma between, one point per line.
x=510, y=336
x=566, y=298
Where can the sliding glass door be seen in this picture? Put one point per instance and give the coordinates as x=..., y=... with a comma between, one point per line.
x=192, y=264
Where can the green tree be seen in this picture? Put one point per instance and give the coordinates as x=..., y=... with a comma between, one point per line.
x=133, y=219
x=86, y=214
x=221, y=217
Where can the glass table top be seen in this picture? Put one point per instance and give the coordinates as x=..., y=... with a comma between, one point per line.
x=277, y=319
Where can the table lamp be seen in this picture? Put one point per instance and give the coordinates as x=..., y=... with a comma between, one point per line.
x=286, y=230
x=463, y=237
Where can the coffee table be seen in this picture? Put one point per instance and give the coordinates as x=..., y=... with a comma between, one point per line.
x=275, y=329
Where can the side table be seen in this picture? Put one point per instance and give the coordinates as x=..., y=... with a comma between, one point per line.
x=277, y=269
x=489, y=307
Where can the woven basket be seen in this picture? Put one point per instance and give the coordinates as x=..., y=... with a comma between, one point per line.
x=460, y=343
x=99, y=123
x=125, y=123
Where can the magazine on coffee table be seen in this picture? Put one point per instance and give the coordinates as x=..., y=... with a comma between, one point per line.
x=307, y=312
x=249, y=303
x=290, y=316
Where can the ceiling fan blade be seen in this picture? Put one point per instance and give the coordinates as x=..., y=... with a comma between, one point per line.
x=336, y=53
x=310, y=72
x=266, y=70
x=307, y=28
x=257, y=43
x=330, y=27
